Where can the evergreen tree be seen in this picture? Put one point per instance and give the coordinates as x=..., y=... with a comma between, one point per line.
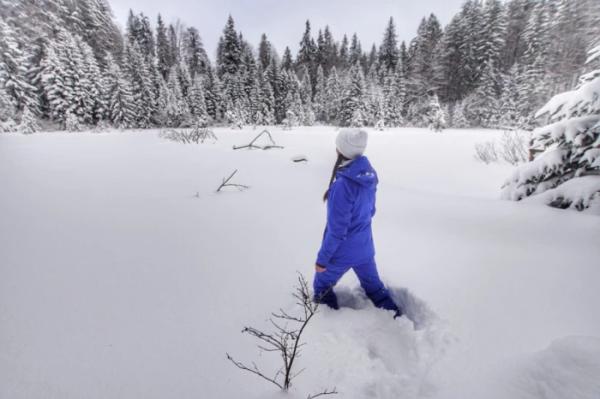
x=355, y=50
x=333, y=97
x=197, y=102
x=13, y=69
x=388, y=51
x=118, y=95
x=286, y=62
x=229, y=52
x=177, y=111
x=265, y=52
x=509, y=114
x=344, y=54
x=437, y=116
x=568, y=159
x=482, y=105
x=352, y=110
x=144, y=96
x=163, y=52
x=319, y=102
x=194, y=54
x=28, y=122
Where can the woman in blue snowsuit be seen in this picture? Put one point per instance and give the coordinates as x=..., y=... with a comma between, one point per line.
x=348, y=240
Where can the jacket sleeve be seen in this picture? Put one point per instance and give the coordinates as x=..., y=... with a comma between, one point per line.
x=339, y=215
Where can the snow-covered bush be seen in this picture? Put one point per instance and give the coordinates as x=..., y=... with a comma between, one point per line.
x=486, y=152
x=380, y=125
x=568, y=148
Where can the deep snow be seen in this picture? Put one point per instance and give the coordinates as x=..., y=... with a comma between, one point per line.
x=122, y=273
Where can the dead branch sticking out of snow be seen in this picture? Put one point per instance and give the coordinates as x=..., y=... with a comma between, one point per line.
x=285, y=340
x=261, y=147
x=226, y=183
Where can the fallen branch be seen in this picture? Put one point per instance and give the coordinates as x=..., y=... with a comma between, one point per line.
x=226, y=183
x=325, y=392
x=261, y=147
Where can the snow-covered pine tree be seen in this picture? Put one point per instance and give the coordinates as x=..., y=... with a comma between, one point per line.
x=265, y=52
x=482, y=104
x=320, y=96
x=307, y=51
x=293, y=99
x=343, y=59
x=213, y=93
x=13, y=70
x=177, y=110
x=163, y=52
x=352, y=109
x=508, y=112
x=459, y=120
x=531, y=91
x=394, y=94
x=8, y=111
x=437, y=115
x=194, y=54
x=91, y=85
x=423, y=50
x=265, y=110
x=72, y=123
x=144, y=93
x=286, y=61
x=567, y=168
x=306, y=97
x=493, y=33
x=28, y=123
x=388, y=50
x=333, y=97
x=55, y=91
x=196, y=100
x=229, y=51
x=118, y=96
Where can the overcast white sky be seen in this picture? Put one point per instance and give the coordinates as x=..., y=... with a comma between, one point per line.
x=283, y=20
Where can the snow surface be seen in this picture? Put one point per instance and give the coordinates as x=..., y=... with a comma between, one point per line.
x=124, y=275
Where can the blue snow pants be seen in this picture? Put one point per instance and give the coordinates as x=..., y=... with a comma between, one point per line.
x=369, y=280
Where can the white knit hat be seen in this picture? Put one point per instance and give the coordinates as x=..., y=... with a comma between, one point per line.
x=351, y=143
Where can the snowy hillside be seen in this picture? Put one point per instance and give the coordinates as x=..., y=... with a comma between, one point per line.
x=124, y=275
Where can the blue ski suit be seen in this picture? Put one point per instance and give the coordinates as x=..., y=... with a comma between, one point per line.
x=348, y=240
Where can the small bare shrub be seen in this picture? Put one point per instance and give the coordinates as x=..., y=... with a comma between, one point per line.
x=285, y=340
x=196, y=135
x=486, y=152
x=513, y=147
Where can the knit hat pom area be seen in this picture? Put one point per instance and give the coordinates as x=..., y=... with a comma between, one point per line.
x=351, y=143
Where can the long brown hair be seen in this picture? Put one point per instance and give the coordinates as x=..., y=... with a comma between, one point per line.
x=338, y=162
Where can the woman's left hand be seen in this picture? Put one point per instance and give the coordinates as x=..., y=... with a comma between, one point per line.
x=319, y=269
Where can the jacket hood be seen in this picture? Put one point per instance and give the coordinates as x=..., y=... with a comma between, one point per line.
x=360, y=171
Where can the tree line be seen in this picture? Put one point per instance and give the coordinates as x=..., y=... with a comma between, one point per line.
x=66, y=63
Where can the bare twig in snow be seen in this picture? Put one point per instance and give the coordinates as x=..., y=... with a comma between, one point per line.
x=226, y=183
x=325, y=392
x=285, y=339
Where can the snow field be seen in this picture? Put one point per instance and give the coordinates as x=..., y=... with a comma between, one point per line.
x=117, y=280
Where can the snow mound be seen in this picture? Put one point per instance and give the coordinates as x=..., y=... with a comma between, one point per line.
x=364, y=352
x=568, y=368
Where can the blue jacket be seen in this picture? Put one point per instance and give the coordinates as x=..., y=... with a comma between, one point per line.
x=350, y=206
